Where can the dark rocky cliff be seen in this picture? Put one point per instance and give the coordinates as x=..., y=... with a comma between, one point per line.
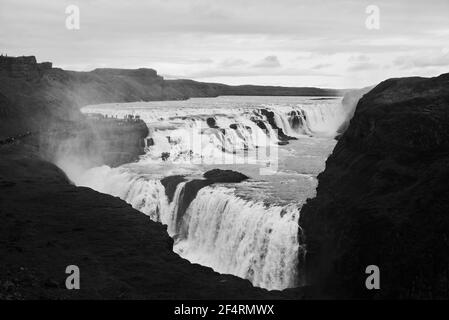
x=22, y=67
x=94, y=142
x=382, y=198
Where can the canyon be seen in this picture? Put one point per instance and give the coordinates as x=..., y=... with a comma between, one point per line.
x=381, y=199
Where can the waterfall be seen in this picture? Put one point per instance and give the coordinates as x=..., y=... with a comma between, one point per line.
x=245, y=237
x=220, y=230
x=184, y=134
x=241, y=237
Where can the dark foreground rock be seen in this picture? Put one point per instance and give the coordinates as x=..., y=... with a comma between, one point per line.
x=48, y=224
x=382, y=199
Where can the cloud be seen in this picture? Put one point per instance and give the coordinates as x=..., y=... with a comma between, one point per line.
x=200, y=61
x=255, y=72
x=423, y=60
x=269, y=62
x=321, y=66
x=230, y=38
x=233, y=62
x=359, y=58
x=361, y=62
x=362, y=66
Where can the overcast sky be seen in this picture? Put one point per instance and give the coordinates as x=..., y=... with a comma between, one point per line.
x=280, y=42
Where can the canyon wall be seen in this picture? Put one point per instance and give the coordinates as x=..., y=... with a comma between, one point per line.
x=93, y=142
x=382, y=199
x=22, y=67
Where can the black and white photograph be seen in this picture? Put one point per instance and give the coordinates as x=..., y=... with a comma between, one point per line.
x=224, y=156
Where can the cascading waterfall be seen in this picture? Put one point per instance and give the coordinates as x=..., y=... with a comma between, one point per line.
x=183, y=135
x=248, y=238
x=219, y=229
x=242, y=237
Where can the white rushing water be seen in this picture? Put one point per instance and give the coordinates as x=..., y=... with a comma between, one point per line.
x=243, y=238
x=181, y=129
x=219, y=229
x=248, y=229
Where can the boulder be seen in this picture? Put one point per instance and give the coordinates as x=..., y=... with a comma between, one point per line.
x=218, y=175
x=211, y=123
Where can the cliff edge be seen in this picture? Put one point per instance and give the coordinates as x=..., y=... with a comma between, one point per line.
x=382, y=199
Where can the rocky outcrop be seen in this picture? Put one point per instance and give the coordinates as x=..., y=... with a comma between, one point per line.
x=192, y=186
x=212, y=123
x=94, y=142
x=270, y=118
x=170, y=183
x=219, y=175
x=23, y=67
x=382, y=199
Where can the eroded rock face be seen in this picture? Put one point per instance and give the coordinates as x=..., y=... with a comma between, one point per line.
x=170, y=183
x=192, y=187
x=382, y=198
x=23, y=67
x=270, y=118
x=94, y=142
